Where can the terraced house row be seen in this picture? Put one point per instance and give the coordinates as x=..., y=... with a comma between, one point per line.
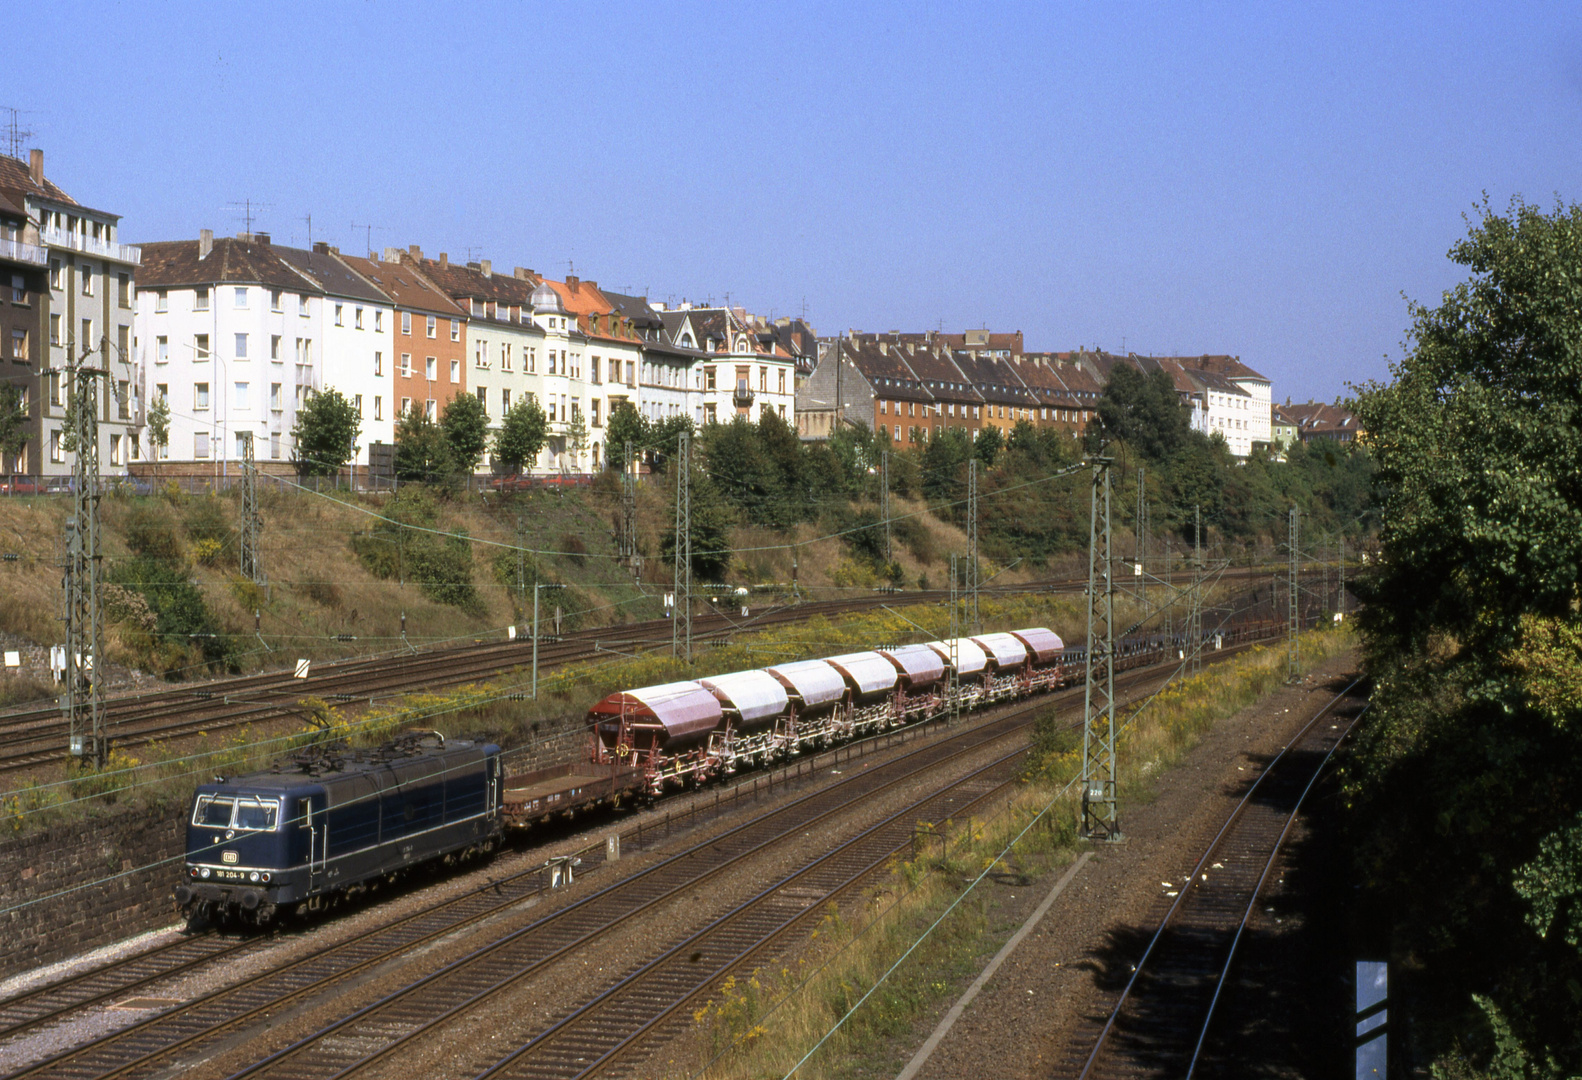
x=907, y=388
x=235, y=334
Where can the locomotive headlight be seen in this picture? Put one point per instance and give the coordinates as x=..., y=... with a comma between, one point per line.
x=266, y=876
x=253, y=876
x=204, y=872
x=193, y=870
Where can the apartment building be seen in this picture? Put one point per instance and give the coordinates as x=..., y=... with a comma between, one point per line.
x=427, y=356
x=79, y=314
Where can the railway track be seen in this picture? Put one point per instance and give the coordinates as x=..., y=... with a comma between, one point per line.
x=157, y=1037
x=1159, y=1023
x=36, y=738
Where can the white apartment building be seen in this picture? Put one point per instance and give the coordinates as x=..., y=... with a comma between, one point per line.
x=230, y=336
x=744, y=372
x=353, y=328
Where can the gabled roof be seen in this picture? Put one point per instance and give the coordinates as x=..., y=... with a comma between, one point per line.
x=176, y=263
x=471, y=282
x=581, y=297
x=993, y=378
x=942, y=377
x=635, y=308
x=16, y=181
x=1230, y=367
x=887, y=371
x=1313, y=417
x=332, y=275
x=405, y=288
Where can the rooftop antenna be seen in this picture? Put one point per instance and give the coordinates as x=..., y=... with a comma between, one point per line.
x=309, y=219
x=472, y=252
x=250, y=210
x=368, y=234
x=16, y=136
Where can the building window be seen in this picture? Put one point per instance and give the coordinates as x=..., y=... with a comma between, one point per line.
x=274, y=445
x=631, y=373
x=357, y=403
x=274, y=397
x=763, y=379
x=406, y=405
x=242, y=439
x=431, y=368
x=379, y=407
x=162, y=349
x=433, y=326
x=123, y=290
x=239, y=395
x=275, y=297
x=274, y=347
x=455, y=329
x=505, y=401
x=241, y=346
x=200, y=397
x=123, y=400
x=19, y=344
x=86, y=341
x=339, y=321
x=302, y=305
x=200, y=445
x=455, y=371
x=200, y=298
x=87, y=280
x=708, y=414
x=429, y=408
x=357, y=318
x=406, y=322
x=379, y=364
x=594, y=405
x=54, y=329
x=379, y=322
x=782, y=374
x=483, y=398
x=884, y=408
x=532, y=360
x=406, y=367
x=55, y=453
x=241, y=297
x=18, y=289
x=200, y=345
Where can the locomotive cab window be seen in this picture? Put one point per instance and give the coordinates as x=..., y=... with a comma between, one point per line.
x=228, y=812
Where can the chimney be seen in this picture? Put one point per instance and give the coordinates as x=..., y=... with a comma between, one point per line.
x=572, y=282
x=262, y=238
x=521, y=273
x=417, y=252
x=487, y=267
x=205, y=242
x=392, y=255
x=35, y=166
x=444, y=259
x=321, y=247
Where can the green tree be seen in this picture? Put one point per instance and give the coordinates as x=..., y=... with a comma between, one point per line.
x=577, y=436
x=158, y=422
x=13, y=421
x=626, y=425
x=325, y=433
x=421, y=453
x=944, y=464
x=1467, y=771
x=465, y=425
x=987, y=446
x=711, y=529
x=1143, y=411
x=520, y=438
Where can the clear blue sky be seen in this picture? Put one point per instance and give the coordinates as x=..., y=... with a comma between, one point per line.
x=1266, y=180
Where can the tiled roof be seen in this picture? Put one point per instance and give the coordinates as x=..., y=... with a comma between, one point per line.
x=888, y=373
x=405, y=288
x=993, y=378
x=168, y=263
x=469, y=281
x=16, y=181
x=332, y=275
x=1317, y=416
x=942, y=377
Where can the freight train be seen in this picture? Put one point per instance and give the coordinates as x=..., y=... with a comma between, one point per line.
x=329, y=824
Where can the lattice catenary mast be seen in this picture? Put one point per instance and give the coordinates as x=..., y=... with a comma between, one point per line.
x=973, y=623
x=681, y=624
x=83, y=702
x=1100, y=818
x=251, y=566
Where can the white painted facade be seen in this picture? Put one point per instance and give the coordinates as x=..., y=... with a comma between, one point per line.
x=354, y=343
x=229, y=358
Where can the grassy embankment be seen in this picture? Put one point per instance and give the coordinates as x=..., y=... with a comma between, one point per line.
x=762, y=1024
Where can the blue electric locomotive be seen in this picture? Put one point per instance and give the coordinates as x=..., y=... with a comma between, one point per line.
x=327, y=824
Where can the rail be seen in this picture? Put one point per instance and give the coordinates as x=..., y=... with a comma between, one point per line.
x=1195, y=950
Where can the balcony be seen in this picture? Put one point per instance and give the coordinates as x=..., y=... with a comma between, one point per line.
x=743, y=397
x=107, y=249
x=17, y=251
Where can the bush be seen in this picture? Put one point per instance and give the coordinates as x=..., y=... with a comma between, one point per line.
x=209, y=518
x=151, y=531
